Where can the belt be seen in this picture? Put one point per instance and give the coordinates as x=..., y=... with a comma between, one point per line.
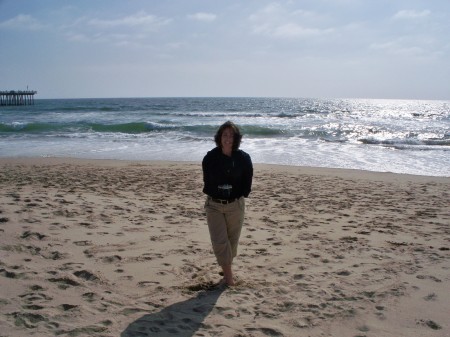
x=224, y=201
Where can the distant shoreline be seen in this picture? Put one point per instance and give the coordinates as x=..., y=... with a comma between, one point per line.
x=309, y=170
x=245, y=97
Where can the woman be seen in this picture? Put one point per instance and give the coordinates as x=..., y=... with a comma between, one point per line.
x=227, y=176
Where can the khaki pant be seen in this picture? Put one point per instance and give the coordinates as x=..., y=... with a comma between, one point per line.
x=225, y=224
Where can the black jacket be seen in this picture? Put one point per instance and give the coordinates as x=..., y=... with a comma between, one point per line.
x=219, y=169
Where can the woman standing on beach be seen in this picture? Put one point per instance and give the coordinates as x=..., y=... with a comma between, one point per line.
x=227, y=177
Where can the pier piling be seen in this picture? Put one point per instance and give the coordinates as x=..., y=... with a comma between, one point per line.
x=20, y=97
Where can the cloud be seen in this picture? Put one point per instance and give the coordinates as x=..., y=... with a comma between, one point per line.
x=411, y=14
x=116, y=39
x=398, y=48
x=22, y=22
x=275, y=21
x=127, y=31
x=292, y=30
x=140, y=19
x=203, y=17
x=77, y=37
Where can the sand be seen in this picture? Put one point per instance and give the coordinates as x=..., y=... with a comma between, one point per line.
x=117, y=248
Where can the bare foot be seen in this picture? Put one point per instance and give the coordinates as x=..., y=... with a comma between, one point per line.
x=229, y=281
x=228, y=275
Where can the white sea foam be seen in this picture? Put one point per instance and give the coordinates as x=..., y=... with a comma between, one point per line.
x=386, y=136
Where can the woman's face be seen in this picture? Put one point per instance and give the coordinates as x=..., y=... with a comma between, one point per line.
x=227, y=139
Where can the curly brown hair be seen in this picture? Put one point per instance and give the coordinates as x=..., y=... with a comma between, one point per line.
x=236, y=135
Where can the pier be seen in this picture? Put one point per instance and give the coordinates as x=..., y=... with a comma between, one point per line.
x=20, y=97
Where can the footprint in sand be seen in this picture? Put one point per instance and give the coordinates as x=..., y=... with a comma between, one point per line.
x=64, y=282
x=430, y=277
x=30, y=235
x=29, y=320
x=68, y=307
x=91, y=297
x=86, y=275
x=430, y=297
x=35, y=296
x=429, y=323
x=11, y=274
x=147, y=283
x=265, y=331
x=83, y=243
x=111, y=259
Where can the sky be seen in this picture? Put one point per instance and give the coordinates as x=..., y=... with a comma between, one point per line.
x=387, y=49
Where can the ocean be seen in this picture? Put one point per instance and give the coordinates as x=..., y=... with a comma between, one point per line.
x=401, y=136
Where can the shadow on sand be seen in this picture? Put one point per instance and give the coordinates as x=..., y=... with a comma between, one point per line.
x=182, y=319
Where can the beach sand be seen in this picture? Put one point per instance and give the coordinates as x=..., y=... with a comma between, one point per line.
x=117, y=248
